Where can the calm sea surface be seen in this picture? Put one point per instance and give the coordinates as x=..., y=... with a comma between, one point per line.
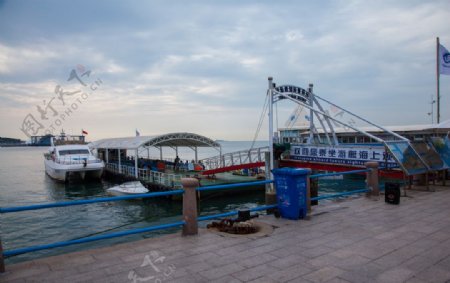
x=23, y=182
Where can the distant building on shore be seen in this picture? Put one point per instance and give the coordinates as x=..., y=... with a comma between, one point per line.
x=62, y=138
x=11, y=142
x=41, y=140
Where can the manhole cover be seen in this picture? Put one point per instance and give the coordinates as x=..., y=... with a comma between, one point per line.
x=232, y=228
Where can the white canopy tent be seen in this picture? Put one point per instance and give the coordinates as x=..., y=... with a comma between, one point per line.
x=172, y=140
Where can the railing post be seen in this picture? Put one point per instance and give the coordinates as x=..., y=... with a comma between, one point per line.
x=2, y=261
x=372, y=178
x=190, y=206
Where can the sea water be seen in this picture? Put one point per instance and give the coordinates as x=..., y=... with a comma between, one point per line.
x=23, y=182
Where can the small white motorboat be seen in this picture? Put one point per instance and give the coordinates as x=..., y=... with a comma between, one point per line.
x=128, y=188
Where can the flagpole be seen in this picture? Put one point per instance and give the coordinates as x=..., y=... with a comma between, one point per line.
x=437, y=82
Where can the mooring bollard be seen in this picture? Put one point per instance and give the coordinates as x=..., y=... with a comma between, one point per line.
x=372, y=178
x=2, y=261
x=190, y=186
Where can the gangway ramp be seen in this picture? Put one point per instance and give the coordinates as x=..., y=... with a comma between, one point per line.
x=243, y=159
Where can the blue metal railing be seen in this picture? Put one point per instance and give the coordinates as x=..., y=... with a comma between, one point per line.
x=315, y=176
x=162, y=226
x=330, y=196
x=88, y=201
x=127, y=232
x=91, y=239
x=341, y=194
x=232, y=186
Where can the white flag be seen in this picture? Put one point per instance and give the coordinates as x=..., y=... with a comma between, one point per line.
x=444, y=61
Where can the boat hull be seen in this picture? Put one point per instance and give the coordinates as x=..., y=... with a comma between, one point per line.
x=63, y=173
x=129, y=188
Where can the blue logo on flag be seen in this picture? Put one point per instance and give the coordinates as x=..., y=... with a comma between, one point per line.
x=446, y=57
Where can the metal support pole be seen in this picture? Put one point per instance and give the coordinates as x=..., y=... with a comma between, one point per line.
x=372, y=179
x=160, y=153
x=438, y=96
x=107, y=155
x=120, y=164
x=136, y=157
x=311, y=114
x=270, y=195
x=190, y=206
x=270, y=93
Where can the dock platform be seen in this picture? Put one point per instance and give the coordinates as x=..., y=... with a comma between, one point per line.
x=355, y=240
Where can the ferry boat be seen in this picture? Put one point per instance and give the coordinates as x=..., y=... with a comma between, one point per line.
x=68, y=158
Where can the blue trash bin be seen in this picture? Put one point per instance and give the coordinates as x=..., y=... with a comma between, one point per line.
x=290, y=185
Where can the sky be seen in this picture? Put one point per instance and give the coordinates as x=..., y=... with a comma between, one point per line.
x=114, y=67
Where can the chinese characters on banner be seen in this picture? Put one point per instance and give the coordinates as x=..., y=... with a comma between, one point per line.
x=50, y=116
x=344, y=155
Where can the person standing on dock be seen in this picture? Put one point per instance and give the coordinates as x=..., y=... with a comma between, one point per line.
x=175, y=165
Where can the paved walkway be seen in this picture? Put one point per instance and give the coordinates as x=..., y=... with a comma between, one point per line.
x=357, y=240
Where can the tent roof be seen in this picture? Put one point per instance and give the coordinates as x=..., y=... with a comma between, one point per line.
x=444, y=125
x=169, y=140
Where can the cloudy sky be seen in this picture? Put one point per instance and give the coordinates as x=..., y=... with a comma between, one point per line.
x=202, y=66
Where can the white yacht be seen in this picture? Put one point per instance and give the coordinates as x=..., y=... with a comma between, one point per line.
x=67, y=160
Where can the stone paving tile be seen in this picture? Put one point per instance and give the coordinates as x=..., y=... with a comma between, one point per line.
x=258, y=260
x=83, y=277
x=352, y=262
x=417, y=263
x=364, y=273
x=338, y=280
x=323, y=261
x=445, y=263
x=395, y=275
x=290, y=273
x=285, y=252
x=197, y=267
x=254, y=272
x=186, y=278
x=439, y=236
x=434, y=274
x=58, y=274
x=324, y=274
x=285, y=262
x=114, y=269
x=25, y=273
x=317, y=251
x=226, y=279
x=190, y=259
x=263, y=279
x=397, y=257
x=217, y=272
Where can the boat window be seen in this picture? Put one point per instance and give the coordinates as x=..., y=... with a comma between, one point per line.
x=73, y=151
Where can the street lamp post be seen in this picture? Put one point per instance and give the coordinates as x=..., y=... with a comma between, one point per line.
x=432, y=108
